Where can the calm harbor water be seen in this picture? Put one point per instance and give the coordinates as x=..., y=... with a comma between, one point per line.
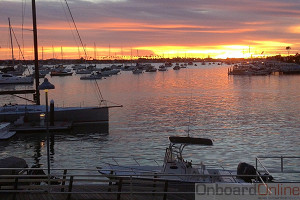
x=245, y=116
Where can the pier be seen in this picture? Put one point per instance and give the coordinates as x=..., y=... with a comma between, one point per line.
x=30, y=127
x=91, y=186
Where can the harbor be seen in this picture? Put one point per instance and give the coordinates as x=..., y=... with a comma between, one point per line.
x=167, y=107
x=156, y=106
x=264, y=68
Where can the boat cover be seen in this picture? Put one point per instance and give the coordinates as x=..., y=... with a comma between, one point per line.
x=12, y=162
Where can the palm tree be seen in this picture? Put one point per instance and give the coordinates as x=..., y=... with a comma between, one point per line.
x=288, y=50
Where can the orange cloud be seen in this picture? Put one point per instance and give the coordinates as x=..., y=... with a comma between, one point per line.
x=294, y=29
x=141, y=27
x=256, y=23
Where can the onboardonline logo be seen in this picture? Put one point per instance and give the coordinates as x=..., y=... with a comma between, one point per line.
x=279, y=191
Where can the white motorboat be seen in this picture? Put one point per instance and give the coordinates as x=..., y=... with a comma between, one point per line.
x=175, y=168
x=168, y=64
x=162, y=68
x=177, y=67
x=78, y=67
x=150, y=68
x=5, y=133
x=11, y=79
x=92, y=76
x=61, y=73
x=137, y=71
x=83, y=71
x=109, y=72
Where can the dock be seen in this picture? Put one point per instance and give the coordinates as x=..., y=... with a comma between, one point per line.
x=32, y=127
x=90, y=193
x=91, y=184
x=88, y=184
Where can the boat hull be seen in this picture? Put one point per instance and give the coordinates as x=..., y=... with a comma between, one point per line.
x=70, y=114
x=16, y=80
x=5, y=133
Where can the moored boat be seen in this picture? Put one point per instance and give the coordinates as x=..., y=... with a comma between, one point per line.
x=137, y=71
x=162, y=69
x=150, y=68
x=11, y=79
x=177, y=67
x=176, y=168
x=61, y=73
x=92, y=76
x=5, y=133
x=31, y=113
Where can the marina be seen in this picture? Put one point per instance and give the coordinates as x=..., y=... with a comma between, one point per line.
x=143, y=114
x=168, y=109
x=264, y=68
x=154, y=108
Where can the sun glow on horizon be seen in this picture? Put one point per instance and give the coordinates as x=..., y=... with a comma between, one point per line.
x=257, y=49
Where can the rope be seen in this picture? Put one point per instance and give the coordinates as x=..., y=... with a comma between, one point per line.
x=19, y=47
x=84, y=49
x=69, y=23
x=23, y=16
x=99, y=91
x=190, y=104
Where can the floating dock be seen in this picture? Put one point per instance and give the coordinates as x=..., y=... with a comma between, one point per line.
x=30, y=127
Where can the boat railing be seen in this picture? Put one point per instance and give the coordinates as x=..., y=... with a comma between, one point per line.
x=130, y=160
x=275, y=159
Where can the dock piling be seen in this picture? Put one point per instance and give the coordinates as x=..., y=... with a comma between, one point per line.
x=52, y=113
x=70, y=188
x=64, y=180
x=119, y=188
x=165, y=190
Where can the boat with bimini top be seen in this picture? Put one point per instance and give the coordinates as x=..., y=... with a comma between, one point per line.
x=176, y=168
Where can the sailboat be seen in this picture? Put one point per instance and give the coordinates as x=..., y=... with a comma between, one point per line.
x=10, y=74
x=31, y=113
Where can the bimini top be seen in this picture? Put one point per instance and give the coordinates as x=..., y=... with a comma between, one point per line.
x=190, y=140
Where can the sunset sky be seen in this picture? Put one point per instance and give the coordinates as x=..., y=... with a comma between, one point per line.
x=166, y=28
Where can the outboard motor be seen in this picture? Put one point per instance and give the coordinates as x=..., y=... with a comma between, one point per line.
x=246, y=169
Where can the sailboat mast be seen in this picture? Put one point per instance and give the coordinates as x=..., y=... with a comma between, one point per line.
x=36, y=56
x=95, y=56
x=11, y=44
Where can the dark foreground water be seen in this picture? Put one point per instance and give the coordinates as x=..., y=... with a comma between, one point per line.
x=245, y=116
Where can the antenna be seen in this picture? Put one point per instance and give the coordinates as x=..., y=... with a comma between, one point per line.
x=108, y=50
x=190, y=105
x=188, y=131
x=95, y=54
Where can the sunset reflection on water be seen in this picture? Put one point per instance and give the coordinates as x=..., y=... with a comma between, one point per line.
x=245, y=116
